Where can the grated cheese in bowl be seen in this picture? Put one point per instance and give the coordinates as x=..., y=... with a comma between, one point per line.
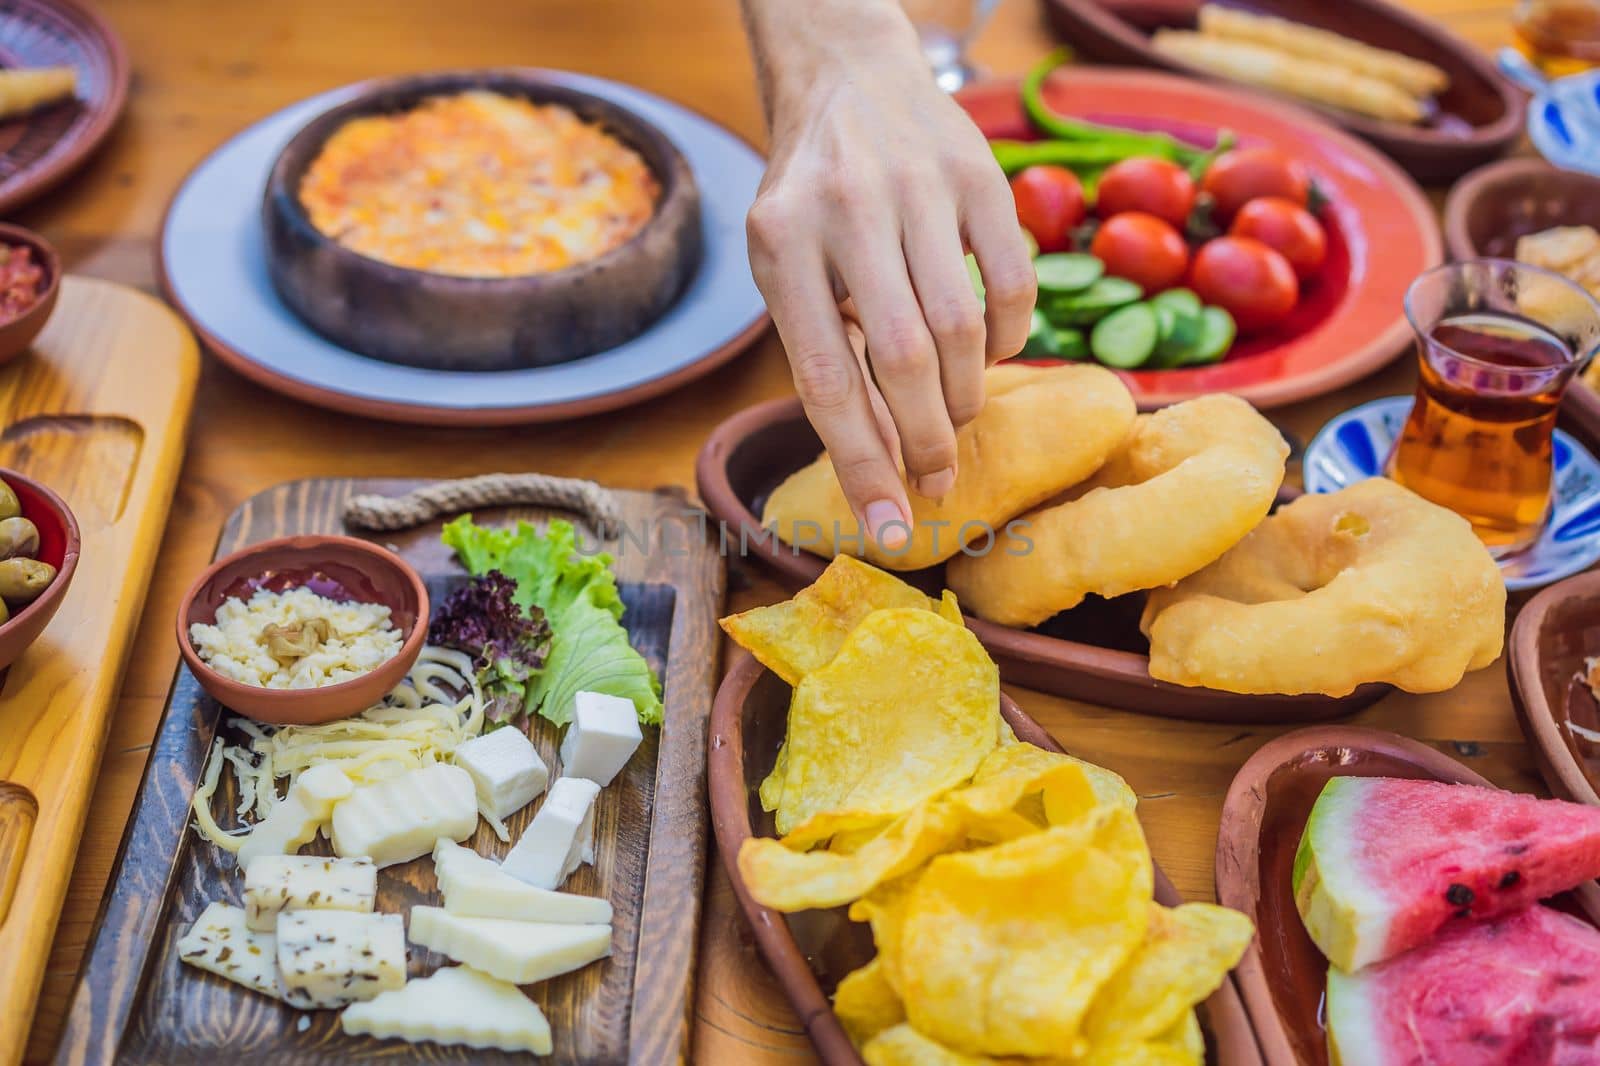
x=295, y=639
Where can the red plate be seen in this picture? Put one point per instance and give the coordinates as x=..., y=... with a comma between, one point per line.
x=1381, y=229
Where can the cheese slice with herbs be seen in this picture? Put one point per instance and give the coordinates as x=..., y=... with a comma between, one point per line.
x=221, y=942
x=456, y=1005
x=399, y=819
x=277, y=883
x=297, y=817
x=327, y=959
x=476, y=887
x=519, y=952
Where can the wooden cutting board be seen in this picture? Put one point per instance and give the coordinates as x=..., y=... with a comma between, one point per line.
x=98, y=410
x=136, y=1003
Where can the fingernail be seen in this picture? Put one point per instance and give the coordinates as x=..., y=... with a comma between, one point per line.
x=886, y=524
x=933, y=486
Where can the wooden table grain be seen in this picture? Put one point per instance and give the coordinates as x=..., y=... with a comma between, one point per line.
x=204, y=70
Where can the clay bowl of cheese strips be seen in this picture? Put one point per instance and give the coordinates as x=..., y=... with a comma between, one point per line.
x=311, y=920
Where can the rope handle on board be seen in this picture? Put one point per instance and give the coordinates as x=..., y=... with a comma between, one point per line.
x=584, y=498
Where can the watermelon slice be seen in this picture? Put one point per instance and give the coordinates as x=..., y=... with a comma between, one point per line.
x=1385, y=863
x=1522, y=990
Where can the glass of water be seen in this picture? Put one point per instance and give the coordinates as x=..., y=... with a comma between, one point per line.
x=946, y=28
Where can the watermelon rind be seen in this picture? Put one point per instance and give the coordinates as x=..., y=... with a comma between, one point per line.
x=1353, y=1037
x=1347, y=917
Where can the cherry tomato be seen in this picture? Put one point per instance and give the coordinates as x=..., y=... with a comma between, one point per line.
x=1049, y=205
x=1245, y=174
x=1286, y=228
x=1247, y=279
x=1141, y=248
x=1154, y=186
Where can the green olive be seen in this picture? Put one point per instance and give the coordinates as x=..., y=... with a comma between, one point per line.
x=18, y=537
x=10, y=506
x=21, y=580
x=5, y=613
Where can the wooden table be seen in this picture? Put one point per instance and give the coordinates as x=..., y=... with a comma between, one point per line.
x=204, y=70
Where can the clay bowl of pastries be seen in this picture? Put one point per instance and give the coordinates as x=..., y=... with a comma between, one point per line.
x=548, y=224
x=305, y=629
x=39, y=544
x=1153, y=562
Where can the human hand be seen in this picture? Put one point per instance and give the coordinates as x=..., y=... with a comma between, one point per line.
x=877, y=186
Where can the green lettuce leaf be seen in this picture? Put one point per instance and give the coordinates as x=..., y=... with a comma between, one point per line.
x=589, y=652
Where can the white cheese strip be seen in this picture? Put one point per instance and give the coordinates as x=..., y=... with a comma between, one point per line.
x=476, y=887
x=296, y=818
x=331, y=958
x=506, y=771
x=399, y=819
x=519, y=952
x=560, y=837
x=276, y=883
x=456, y=1005
x=221, y=942
x=603, y=736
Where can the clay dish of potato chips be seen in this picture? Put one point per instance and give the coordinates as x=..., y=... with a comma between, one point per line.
x=810, y=951
x=1283, y=976
x=1093, y=653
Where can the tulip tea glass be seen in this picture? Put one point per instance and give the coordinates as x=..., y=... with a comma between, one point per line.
x=1499, y=342
x=946, y=28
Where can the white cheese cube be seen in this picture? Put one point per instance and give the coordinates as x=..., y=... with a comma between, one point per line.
x=602, y=737
x=221, y=942
x=476, y=887
x=297, y=817
x=560, y=837
x=456, y=1005
x=401, y=818
x=519, y=952
x=331, y=958
x=275, y=883
x=506, y=770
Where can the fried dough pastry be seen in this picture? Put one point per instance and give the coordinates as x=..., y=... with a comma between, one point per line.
x=1039, y=432
x=1370, y=583
x=1188, y=483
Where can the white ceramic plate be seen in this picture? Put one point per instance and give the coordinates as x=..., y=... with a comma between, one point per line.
x=213, y=267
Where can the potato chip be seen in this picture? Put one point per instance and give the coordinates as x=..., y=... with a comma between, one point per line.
x=803, y=634
x=904, y=1046
x=1149, y=1053
x=866, y=1003
x=1003, y=949
x=1188, y=1039
x=907, y=709
x=1110, y=789
x=1187, y=951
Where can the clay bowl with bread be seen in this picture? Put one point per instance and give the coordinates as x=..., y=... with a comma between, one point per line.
x=1477, y=118
x=1283, y=976
x=345, y=569
x=810, y=951
x=1094, y=652
x=1555, y=635
x=450, y=322
x=59, y=544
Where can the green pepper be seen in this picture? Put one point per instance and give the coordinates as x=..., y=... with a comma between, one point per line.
x=1130, y=142
x=1082, y=157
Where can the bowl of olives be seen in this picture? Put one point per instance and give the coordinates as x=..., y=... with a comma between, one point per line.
x=39, y=545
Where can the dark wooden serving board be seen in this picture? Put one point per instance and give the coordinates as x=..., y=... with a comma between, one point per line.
x=136, y=1003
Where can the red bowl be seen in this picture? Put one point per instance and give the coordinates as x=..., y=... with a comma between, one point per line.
x=17, y=334
x=341, y=568
x=59, y=544
x=1381, y=229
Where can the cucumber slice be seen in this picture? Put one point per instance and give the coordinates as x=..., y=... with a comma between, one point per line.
x=1041, y=343
x=1180, y=329
x=976, y=275
x=1062, y=273
x=1127, y=337
x=1217, y=332
x=1094, y=303
x=1071, y=344
x=1183, y=300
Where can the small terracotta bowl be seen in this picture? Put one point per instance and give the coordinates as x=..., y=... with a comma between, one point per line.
x=1555, y=633
x=1494, y=205
x=341, y=568
x=59, y=543
x=444, y=322
x=18, y=334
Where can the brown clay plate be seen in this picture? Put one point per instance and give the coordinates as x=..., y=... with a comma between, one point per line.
x=811, y=951
x=1282, y=975
x=39, y=150
x=1479, y=117
x=1093, y=653
x=1554, y=633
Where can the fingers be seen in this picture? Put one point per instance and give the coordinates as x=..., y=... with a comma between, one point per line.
x=880, y=407
x=950, y=308
x=904, y=359
x=794, y=280
x=989, y=220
